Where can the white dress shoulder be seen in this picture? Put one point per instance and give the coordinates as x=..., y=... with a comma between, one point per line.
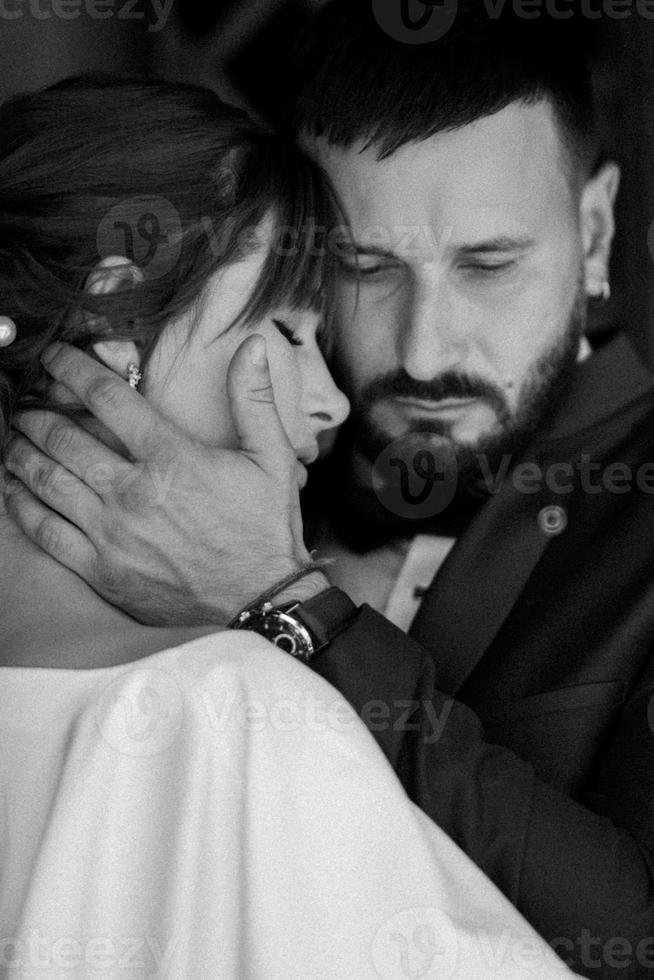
x=217, y=811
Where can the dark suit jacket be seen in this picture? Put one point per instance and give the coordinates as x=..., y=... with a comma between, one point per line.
x=519, y=714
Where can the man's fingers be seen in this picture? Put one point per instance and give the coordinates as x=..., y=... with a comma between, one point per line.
x=254, y=413
x=69, y=444
x=124, y=412
x=54, y=535
x=54, y=485
x=61, y=394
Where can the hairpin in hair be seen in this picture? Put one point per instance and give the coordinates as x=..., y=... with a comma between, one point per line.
x=7, y=331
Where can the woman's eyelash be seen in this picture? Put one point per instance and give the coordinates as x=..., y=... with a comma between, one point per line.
x=356, y=269
x=286, y=331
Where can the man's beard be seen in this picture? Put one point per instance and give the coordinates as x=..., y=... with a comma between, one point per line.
x=513, y=431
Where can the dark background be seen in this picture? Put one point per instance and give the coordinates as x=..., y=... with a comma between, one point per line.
x=240, y=49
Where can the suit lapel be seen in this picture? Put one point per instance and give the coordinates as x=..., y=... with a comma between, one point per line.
x=487, y=570
x=478, y=585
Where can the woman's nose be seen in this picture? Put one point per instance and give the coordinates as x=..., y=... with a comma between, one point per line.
x=325, y=404
x=328, y=405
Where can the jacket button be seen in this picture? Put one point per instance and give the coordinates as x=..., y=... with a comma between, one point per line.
x=552, y=520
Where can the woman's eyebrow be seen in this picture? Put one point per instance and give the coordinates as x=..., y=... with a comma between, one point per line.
x=362, y=249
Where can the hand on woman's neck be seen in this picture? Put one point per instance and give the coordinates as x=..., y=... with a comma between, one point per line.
x=50, y=617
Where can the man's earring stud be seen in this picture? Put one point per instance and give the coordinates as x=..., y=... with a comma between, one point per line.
x=604, y=294
x=134, y=375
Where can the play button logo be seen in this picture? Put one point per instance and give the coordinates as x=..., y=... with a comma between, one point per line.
x=415, y=21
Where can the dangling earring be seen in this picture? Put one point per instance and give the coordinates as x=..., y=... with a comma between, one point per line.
x=134, y=375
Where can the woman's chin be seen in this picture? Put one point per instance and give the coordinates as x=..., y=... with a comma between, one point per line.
x=302, y=475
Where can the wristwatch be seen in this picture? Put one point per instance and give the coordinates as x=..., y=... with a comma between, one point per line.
x=302, y=629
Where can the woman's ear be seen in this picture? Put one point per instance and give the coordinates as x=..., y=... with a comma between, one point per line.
x=118, y=355
x=111, y=273
x=598, y=226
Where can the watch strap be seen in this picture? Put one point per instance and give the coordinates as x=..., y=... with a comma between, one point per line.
x=325, y=615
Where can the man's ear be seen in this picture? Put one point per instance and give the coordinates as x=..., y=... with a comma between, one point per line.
x=111, y=273
x=598, y=226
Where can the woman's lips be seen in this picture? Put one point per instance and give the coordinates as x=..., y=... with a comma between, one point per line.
x=306, y=455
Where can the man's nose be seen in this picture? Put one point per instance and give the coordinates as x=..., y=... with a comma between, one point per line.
x=430, y=340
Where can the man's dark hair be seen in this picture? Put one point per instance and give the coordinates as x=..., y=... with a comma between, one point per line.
x=355, y=82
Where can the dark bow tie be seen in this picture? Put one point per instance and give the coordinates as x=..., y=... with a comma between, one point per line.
x=361, y=520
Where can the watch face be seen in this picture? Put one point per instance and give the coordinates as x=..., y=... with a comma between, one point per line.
x=280, y=629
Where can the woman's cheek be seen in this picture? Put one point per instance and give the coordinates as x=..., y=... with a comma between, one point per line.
x=190, y=389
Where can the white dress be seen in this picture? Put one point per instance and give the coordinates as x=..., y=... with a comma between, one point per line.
x=217, y=811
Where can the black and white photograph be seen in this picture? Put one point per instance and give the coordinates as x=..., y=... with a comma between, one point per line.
x=326, y=489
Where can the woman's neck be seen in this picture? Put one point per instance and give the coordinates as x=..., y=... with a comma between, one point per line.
x=50, y=617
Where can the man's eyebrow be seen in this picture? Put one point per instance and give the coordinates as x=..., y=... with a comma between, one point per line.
x=503, y=243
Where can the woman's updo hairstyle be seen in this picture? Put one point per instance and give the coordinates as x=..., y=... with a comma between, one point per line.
x=162, y=173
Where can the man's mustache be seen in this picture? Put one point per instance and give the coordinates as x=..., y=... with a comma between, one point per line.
x=448, y=384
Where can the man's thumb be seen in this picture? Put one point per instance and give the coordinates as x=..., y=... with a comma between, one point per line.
x=254, y=413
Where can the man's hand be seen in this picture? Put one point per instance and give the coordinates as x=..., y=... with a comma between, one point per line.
x=184, y=533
